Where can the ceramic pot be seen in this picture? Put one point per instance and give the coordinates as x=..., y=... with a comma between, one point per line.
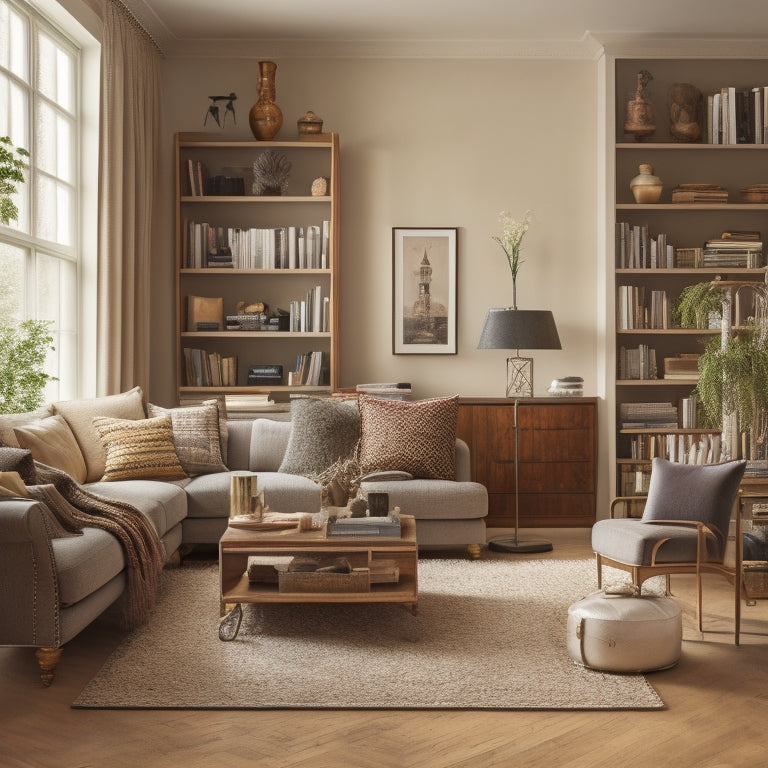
x=646, y=187
x=265, y=117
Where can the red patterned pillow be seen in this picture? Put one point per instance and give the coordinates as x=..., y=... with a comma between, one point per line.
x=416, y=436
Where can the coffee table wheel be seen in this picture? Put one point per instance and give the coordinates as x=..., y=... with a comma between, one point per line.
x=229, y=625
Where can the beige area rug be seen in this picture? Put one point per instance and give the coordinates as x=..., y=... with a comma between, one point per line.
x=488, y=635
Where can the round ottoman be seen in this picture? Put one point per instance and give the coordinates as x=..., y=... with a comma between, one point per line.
x=617, y=633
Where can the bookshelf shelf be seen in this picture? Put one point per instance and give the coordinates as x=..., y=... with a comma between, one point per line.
x=235, y=248
x=639, y=291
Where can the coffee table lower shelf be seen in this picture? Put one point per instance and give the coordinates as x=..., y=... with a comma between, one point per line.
x=237, y=545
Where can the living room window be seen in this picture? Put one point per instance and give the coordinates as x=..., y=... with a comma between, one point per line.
x=44, y=270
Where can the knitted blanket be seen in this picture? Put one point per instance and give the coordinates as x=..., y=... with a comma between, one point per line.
x=76, y=507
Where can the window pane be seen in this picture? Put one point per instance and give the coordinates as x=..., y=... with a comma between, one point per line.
x=13, y=42
x=55, y=73
x=12, y=270
x=53, y=142
x=53, y=210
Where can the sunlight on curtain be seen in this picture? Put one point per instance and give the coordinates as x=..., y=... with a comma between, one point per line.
x=130, y=115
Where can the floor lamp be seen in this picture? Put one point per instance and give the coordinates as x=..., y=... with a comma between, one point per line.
x=519, y=329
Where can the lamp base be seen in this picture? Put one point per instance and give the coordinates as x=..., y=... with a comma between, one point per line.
x=511, y=543
x=519, y=377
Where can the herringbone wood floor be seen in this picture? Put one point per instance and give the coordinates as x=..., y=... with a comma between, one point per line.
x=716, y=715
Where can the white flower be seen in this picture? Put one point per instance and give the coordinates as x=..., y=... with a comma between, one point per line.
x=512, y=232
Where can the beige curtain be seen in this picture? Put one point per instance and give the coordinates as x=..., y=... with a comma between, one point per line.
x=130, y=105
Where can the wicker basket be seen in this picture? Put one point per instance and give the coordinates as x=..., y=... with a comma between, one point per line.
x=359, y=580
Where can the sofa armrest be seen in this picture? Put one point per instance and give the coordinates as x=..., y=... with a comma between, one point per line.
x=28, y=584
x=463, y=462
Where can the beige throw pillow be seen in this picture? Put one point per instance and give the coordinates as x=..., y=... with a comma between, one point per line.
x=138, y=448
x=52, y=443
x=196, y=436
x=416, y=436
x=10, y=420
x=79, y=415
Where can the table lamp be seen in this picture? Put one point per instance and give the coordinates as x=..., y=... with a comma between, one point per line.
x=519, y=329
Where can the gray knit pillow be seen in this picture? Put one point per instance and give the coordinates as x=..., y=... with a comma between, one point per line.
x=322, y=432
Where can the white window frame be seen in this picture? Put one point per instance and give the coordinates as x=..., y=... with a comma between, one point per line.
x=58, y=22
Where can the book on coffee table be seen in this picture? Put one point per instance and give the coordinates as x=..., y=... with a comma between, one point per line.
x=364, y=526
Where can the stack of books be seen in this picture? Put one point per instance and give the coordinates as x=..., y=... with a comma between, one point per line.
x=734, y=249
x=684, y=366
x=699, y=193
x=384, y=527
x=648, y=416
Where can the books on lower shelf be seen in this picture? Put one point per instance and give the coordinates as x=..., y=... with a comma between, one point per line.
x=687, y=448
x=208, y=369
x=311, y=369
x=637, y=249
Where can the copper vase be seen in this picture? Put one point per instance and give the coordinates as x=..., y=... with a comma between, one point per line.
x=265, y=116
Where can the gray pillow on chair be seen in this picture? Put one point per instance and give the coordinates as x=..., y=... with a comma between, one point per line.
x=705, y=493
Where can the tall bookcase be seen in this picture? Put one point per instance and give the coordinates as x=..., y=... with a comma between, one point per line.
x=260, y=279
x=686, y=226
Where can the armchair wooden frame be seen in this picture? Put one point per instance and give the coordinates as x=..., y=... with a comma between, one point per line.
x=702, y=564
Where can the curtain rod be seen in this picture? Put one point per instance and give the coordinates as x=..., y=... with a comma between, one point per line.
x=133, y=20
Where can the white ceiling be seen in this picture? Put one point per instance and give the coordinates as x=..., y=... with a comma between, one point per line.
x=474, y=25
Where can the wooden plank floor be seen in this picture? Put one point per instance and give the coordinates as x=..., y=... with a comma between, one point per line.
x=716, y=715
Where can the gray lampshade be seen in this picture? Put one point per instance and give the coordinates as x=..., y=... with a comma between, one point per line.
x=519, y=329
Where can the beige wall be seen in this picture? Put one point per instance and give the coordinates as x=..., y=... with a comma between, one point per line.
x=435, y=143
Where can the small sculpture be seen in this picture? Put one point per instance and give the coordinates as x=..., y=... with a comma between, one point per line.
x=252, y=308
x=686, y=112
x=320, y=187
x=270, y=174
x=640, y=119
x=229, y=109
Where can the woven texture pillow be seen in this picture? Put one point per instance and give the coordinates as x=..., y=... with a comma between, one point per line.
x=410, y=436
x=79, y=415
x=322, y=432
x=53, y=444
x=196, y=436
x=138, y=448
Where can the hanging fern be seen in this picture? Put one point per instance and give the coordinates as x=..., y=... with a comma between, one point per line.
x=695, y=304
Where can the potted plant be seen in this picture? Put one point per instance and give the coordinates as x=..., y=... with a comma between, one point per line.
x=23, y=349
x=12, y=165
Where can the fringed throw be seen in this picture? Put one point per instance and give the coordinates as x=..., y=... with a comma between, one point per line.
x=144, y=552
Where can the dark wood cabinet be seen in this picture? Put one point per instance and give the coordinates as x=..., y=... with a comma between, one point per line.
x=557, y=458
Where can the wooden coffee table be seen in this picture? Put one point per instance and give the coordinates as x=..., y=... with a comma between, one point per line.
x=376, y=554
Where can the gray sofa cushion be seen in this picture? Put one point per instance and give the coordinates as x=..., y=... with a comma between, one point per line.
x=208, y=495
x=269, y=440
x=434, y=499
x=165, y=504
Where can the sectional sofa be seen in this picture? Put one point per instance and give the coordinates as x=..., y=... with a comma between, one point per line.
x=174, y=466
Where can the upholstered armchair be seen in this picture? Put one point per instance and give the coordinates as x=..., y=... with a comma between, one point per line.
x=683, y=529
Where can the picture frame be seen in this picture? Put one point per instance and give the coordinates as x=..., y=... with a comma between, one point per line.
x=424, y=275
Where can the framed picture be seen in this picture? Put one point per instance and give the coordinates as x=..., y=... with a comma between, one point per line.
x=424, y=291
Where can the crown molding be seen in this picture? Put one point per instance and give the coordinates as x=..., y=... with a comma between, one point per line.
x=586, y=48
x=625, y=45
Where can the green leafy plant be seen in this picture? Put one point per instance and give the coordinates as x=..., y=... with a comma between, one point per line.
x=23, y=349
x=733, y=379
x=12, y=166
x=695, y=304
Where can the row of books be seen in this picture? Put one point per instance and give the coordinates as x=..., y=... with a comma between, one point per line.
x=639, y=307
x=682, y=449
x=311, y=314
x=202, y=183
x=636, y=249
x=738, y=115
x=310, y=369
x=208, y=369
x=209, y=246
x=637, y=363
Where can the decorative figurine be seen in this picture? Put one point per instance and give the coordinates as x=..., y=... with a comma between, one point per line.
x=229, y=109
x=640, y=119
x=270, y=173
x=686, y=112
